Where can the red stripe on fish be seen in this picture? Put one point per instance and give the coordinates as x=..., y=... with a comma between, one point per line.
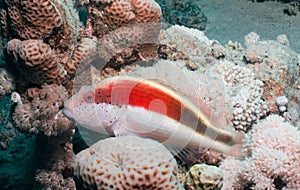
x=140, y=94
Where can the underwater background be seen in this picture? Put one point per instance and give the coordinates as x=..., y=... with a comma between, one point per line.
x=238, y=57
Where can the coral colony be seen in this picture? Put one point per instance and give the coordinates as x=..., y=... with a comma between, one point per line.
x=233, y=96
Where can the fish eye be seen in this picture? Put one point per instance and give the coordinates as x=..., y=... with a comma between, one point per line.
x=89, y=98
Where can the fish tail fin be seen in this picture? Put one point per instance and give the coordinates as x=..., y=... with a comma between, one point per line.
x=238, y=137
x=236, y=151
x=236, y=148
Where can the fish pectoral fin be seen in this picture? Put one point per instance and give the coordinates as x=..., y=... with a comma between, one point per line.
x=120, y=130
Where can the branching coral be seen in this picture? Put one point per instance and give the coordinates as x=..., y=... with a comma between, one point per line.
x=274, y=150
x=127, y=163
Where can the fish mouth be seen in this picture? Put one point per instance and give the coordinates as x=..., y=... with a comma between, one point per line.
x=68, y=114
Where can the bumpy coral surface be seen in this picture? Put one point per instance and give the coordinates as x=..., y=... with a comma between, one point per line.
x=35, y=62
x=273, y=163
x=117, y=13
x=276, y=64
x=127, y=163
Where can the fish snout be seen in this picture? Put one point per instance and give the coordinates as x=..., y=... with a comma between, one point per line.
x=67, y=110
x=68, y=114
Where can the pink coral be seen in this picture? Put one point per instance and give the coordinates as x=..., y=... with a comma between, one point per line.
x=127, y=163
x=274, y=150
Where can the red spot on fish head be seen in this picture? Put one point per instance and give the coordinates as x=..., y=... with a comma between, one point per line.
x=102, y=95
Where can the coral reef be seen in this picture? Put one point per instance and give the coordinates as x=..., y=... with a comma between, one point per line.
x=127, y=163
x=276, y=65
x=274, y=158
x=291, y=8
x=49, y=54
x=7, y=131
x=83, y=54
x=17, y=163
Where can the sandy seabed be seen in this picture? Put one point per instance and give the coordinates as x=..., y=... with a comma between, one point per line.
x=233, y=19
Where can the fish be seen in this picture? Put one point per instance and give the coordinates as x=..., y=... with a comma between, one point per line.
x=130, y=105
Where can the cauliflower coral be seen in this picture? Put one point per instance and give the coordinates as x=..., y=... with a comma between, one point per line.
x=130, y=162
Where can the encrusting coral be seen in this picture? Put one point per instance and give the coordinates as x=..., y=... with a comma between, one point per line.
x=127, y=163
x=273, y=145
x=275, y=64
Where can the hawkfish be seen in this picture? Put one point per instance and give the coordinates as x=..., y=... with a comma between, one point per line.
x=129, y=105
